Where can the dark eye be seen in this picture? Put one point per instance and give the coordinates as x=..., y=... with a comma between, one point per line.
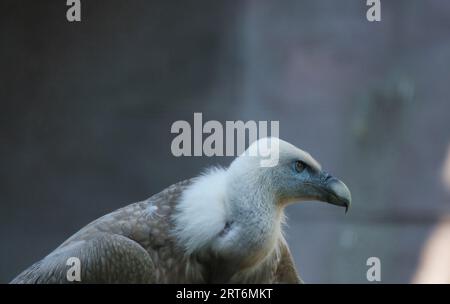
x=299, y=166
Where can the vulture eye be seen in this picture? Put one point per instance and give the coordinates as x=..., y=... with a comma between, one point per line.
x=299, y=166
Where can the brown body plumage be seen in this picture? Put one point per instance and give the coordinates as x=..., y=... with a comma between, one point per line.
x=131, y=245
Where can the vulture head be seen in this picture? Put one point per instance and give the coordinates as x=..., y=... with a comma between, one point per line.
x=238, y=212
x=285, y=174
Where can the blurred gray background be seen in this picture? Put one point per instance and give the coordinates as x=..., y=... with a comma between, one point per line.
x=86, y=111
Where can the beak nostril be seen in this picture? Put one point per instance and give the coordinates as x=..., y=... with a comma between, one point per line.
x=327, y=177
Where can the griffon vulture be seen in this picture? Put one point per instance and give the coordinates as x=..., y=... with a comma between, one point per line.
x=224, y=226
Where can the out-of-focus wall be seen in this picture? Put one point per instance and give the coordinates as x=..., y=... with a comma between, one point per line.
x=86, y=111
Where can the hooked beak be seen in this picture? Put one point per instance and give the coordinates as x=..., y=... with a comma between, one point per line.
x=331, y=190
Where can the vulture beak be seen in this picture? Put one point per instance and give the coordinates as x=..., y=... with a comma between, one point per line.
x=331, y=190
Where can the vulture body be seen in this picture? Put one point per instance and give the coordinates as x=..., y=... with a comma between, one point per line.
x=224, y=226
